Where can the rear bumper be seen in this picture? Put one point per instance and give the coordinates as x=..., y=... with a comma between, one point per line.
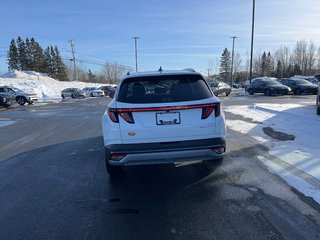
x=168, y=152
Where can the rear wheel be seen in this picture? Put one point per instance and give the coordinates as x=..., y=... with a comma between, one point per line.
x=211, y=165
x=63, y=97
x=227, y=93
x=3, y=102
x=250, y=91
x=91, y=94
x=73, y=96
x=21, y=100
x=318, y=107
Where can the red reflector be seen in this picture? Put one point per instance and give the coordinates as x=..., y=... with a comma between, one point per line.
x=219, y=149
x=117, y=156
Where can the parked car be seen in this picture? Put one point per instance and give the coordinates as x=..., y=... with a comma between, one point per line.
x=178, y=120
x=6, y=101
x=318, y=101
x=300, y=86
x=19, y=95
x=108, y=90
x=268, y=87
x=93, y=92
x=220, y=88
x=72, y=92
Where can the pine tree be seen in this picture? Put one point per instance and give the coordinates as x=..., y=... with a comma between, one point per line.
x=22, y=54
x=13, y=62
x=60, y=68
x=38, y=56
x=91, y=76
x=278, y=73
x=46, y=64
x=225, y=65
x=29, y=55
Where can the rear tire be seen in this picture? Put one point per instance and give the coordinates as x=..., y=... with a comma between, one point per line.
x=250, y=91
x=73, y=96
x=63, y=97
x=91, y=94
x=210, y=166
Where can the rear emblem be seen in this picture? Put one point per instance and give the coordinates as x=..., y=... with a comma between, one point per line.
x=131, y=134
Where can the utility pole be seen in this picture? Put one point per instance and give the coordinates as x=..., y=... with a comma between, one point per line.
x=232, y=56
x=136, y=51
x=75, y=75
x=252, y=34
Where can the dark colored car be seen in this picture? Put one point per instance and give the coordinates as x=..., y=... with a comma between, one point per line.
x=300, y=86
x=220, y=88
x=6, y=101
x=108, y=90
x=73, y=92
x=268, y=87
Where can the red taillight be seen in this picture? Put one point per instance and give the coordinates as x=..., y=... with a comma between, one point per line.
x=113, y=116
x=217, y=110
x=206, y=111
x=127, y=116
x=117, y=156
x=219, y=149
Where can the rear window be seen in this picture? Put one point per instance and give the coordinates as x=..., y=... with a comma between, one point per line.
x=161, y=89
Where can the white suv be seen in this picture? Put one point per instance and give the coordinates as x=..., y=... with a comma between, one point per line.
x=20, y=96
x=163, y=117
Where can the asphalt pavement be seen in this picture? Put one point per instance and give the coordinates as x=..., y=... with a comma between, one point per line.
x=54, y=184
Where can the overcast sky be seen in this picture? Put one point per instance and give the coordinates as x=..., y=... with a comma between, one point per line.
x=173, y=34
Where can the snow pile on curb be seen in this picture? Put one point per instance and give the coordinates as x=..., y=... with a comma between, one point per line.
x=45, y=87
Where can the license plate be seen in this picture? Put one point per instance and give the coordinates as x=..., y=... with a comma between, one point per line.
x=168, y=118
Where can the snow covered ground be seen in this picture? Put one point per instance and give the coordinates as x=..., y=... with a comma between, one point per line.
x=297, y=160
x=45, y=87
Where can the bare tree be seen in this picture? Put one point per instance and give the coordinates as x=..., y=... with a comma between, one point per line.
x=112, y=72
x=300, y=55
x=311, y=58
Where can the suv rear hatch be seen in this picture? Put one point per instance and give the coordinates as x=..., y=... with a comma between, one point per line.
x=165, y=108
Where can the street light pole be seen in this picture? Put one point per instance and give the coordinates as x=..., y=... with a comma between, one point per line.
x=232, y=56
x=252, y=34
x=136, y=51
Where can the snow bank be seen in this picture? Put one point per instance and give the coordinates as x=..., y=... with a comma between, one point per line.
x=297, y=161
x=44, y=86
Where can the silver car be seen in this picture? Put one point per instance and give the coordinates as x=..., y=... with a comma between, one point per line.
x=73, y=93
